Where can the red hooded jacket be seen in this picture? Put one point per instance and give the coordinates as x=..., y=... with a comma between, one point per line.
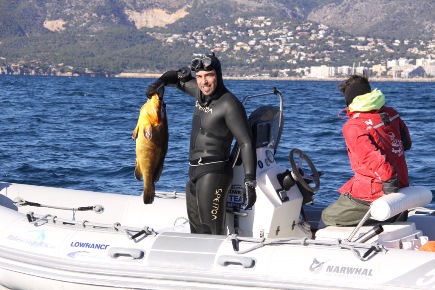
x=376, y=145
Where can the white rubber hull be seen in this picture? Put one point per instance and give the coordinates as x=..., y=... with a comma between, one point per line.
x=62, y=253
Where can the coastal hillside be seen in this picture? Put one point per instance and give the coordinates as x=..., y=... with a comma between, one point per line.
x=113, y=36
x=379, y=18
x=375, y=18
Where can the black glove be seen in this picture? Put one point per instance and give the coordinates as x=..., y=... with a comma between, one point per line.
x=249, y=194
x=184, y=74
x=157, y=87
x=391, y=185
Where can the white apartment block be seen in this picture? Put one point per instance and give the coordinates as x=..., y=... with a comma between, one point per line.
x=322, y=71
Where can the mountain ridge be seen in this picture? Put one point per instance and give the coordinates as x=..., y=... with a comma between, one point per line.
x=374, y=18
x=139, y=35
x=399, y=18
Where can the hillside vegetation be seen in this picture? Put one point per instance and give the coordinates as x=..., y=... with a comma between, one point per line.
x=122, y=35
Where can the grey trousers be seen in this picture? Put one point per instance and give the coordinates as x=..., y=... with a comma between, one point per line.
x=345, y=212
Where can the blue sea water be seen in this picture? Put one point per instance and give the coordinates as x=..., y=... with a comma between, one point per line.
x=76, y=132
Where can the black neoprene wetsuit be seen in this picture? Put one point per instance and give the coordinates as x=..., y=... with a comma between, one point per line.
x=216, y=120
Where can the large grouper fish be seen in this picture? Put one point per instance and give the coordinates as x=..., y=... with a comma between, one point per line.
x=151, y=135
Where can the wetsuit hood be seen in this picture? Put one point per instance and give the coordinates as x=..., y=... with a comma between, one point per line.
x=220, y=88
x=368, y=102
x=210, y=62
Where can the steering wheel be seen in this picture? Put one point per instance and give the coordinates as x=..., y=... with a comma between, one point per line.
x=298, y=173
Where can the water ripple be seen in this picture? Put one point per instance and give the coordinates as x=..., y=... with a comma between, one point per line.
x=76, y=132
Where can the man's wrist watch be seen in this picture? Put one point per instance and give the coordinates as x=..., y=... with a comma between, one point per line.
x=251, y=183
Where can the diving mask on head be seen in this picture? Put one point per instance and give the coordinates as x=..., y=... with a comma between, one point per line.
x=206, y=62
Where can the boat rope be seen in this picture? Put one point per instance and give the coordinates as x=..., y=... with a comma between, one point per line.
x=131, y=232
x=145, y=231
x=169, y=195
x=22, y=202
x=181, y=218
x=355, y=247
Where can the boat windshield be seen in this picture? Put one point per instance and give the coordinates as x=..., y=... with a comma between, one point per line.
x=265, y=125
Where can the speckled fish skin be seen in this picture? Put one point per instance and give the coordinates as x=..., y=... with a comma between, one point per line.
x=151, y=135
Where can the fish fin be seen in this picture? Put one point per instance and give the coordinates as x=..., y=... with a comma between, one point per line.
x=135, y=133
x=158, y=171
x=137, y=172
x=148, y=132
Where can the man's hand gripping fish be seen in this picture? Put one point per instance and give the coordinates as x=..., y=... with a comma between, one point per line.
x=151, y=135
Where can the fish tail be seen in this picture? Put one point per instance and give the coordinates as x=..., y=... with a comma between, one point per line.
x=148, y=192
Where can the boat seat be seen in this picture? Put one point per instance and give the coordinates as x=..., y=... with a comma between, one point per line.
x=382, y=209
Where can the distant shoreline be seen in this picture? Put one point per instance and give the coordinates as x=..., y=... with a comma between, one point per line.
x=374, y=79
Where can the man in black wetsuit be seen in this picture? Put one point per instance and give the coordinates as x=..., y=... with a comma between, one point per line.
x=217, y=118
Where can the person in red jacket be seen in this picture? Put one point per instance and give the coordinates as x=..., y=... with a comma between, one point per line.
x=376, y=139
